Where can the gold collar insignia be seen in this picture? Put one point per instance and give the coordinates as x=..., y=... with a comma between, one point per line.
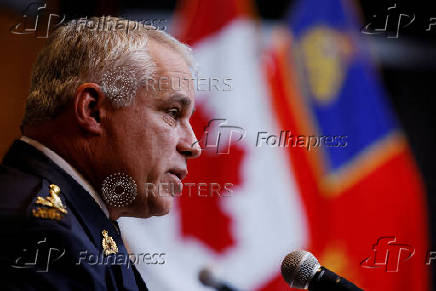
x=56, y=210
x=109, y=245
x=54, y=200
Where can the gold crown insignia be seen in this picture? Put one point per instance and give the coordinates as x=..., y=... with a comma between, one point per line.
x=108, y=243
x=56, y=210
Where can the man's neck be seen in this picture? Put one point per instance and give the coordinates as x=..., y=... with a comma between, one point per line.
x=68, y=167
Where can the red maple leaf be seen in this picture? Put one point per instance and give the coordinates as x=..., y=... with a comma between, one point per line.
x=201, y=215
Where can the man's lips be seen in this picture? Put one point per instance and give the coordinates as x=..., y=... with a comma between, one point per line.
x=176, y=185
x=180, y=173
x=176, y=176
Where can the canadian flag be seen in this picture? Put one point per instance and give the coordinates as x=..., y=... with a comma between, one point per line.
x=239, y=212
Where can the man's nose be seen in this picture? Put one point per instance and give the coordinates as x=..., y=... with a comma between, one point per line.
x=188, y=145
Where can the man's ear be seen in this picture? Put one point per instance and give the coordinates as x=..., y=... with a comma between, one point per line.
x=88, y=107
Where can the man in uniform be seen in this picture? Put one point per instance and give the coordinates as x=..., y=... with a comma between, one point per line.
x=103, y=121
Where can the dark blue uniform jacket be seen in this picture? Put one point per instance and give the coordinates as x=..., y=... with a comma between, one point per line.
x=43, y=248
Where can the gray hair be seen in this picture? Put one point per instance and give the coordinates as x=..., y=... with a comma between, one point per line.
x=114, y=55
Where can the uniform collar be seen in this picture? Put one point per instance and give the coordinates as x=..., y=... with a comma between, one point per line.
x=70, y=170
x=28, y=159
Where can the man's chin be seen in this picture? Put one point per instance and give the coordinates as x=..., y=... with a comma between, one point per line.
x=151, y=206
x=162, y=205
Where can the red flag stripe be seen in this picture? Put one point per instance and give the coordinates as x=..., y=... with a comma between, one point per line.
x=198, y=19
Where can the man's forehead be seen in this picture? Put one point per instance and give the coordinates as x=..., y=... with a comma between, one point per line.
x=173, y=79
x=177, y=83
x=168, y=59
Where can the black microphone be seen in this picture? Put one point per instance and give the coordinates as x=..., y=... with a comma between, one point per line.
x=208, y=279
x=301, y=270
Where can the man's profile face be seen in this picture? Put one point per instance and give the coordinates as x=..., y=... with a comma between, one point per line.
x=152, y=139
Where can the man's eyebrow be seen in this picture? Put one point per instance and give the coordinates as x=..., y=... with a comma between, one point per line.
x=182, y=99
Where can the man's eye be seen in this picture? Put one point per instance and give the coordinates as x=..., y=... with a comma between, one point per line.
x=174, y=113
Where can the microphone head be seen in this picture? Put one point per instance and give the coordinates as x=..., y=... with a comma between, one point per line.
x=207, y=277
x=298, y=268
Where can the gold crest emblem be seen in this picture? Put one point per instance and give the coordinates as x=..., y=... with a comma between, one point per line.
x=47, y=213
x=109, y=245
x=56, y=210
x=54, y=200
x=326, y=54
